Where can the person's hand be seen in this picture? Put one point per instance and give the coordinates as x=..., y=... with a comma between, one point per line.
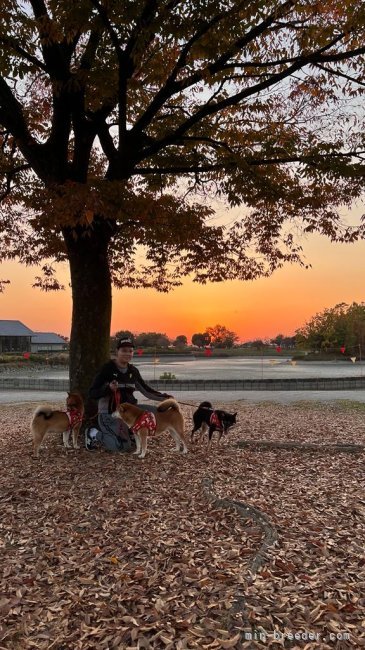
x=113, y=385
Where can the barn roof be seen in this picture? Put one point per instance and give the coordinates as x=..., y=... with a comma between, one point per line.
x=14, y=328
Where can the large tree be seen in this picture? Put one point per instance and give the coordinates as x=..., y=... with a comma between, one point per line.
x=221, y=337
x=122, y=121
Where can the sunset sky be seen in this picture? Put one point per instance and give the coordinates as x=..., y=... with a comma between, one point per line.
x=259, y=309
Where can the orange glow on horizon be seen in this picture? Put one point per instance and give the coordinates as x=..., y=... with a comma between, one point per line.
x=259, y=309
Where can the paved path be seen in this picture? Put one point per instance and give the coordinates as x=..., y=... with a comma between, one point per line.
x=222, y=397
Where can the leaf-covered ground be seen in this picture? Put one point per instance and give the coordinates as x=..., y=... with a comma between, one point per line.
x=105, y=552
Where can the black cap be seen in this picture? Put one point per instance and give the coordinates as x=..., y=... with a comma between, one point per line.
x=125, y=343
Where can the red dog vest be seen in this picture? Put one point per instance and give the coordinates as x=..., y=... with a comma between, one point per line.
x=74, y=417
x=146, y=420
x=214, y=419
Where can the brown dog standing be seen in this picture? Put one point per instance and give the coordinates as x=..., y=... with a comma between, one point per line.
x=46, y=420
x=168, y=417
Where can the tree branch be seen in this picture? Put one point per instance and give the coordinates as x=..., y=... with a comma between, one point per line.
x=237, y=46
x=11, y=114
x=11, y=42
x=88, y=56
x=107, y=24
x=342, y=56
x=40, y=156
x=210, y=109
x=125, y=70
x=57, y=56
x=84, y=129
x=339, y=73
x=252, y=162
x=145, y=20
x=173, y=87
x=9, y=175
x=107, y=144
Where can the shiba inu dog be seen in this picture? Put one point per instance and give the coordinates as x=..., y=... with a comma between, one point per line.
x=168, y=417
x=46, y=420
x=206, y=418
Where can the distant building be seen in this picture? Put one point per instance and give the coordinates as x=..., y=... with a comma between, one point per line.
x=47, y=342
x=14, y=336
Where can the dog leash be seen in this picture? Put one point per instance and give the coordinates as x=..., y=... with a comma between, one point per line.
x=194, y=405
x=116, y=400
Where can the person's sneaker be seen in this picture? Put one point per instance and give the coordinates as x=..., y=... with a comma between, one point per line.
x=90, y=443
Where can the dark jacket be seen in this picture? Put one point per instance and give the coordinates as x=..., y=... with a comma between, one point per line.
x=128, y=382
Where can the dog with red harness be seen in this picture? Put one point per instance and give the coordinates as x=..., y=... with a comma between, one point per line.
x=167, y=417
x=46, y=420
x=206, y=418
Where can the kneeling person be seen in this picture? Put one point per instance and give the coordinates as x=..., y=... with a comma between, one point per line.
x=114, y=384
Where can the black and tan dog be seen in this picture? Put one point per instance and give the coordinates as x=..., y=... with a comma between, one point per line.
x=167, y=417
x=206, y=418
x=46, y=420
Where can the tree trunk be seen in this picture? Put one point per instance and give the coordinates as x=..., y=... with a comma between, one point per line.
x=91, y=303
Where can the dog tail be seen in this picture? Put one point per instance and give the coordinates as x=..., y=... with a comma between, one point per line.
x=43, y=411
x=205, y=405
x=168, y=404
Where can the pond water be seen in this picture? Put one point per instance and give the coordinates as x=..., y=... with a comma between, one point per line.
x=254, y=368
x=247, y=368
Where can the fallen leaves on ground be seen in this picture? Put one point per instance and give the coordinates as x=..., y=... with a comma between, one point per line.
x=108, y=552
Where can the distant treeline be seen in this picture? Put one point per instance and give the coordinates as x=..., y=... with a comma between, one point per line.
x=218, y=337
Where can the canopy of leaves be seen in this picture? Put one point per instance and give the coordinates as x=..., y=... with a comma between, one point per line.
x=138, y=114
x=181, y=341
x=258, y=344
x=152, y=339
x=200, y=339
x=342, y=325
